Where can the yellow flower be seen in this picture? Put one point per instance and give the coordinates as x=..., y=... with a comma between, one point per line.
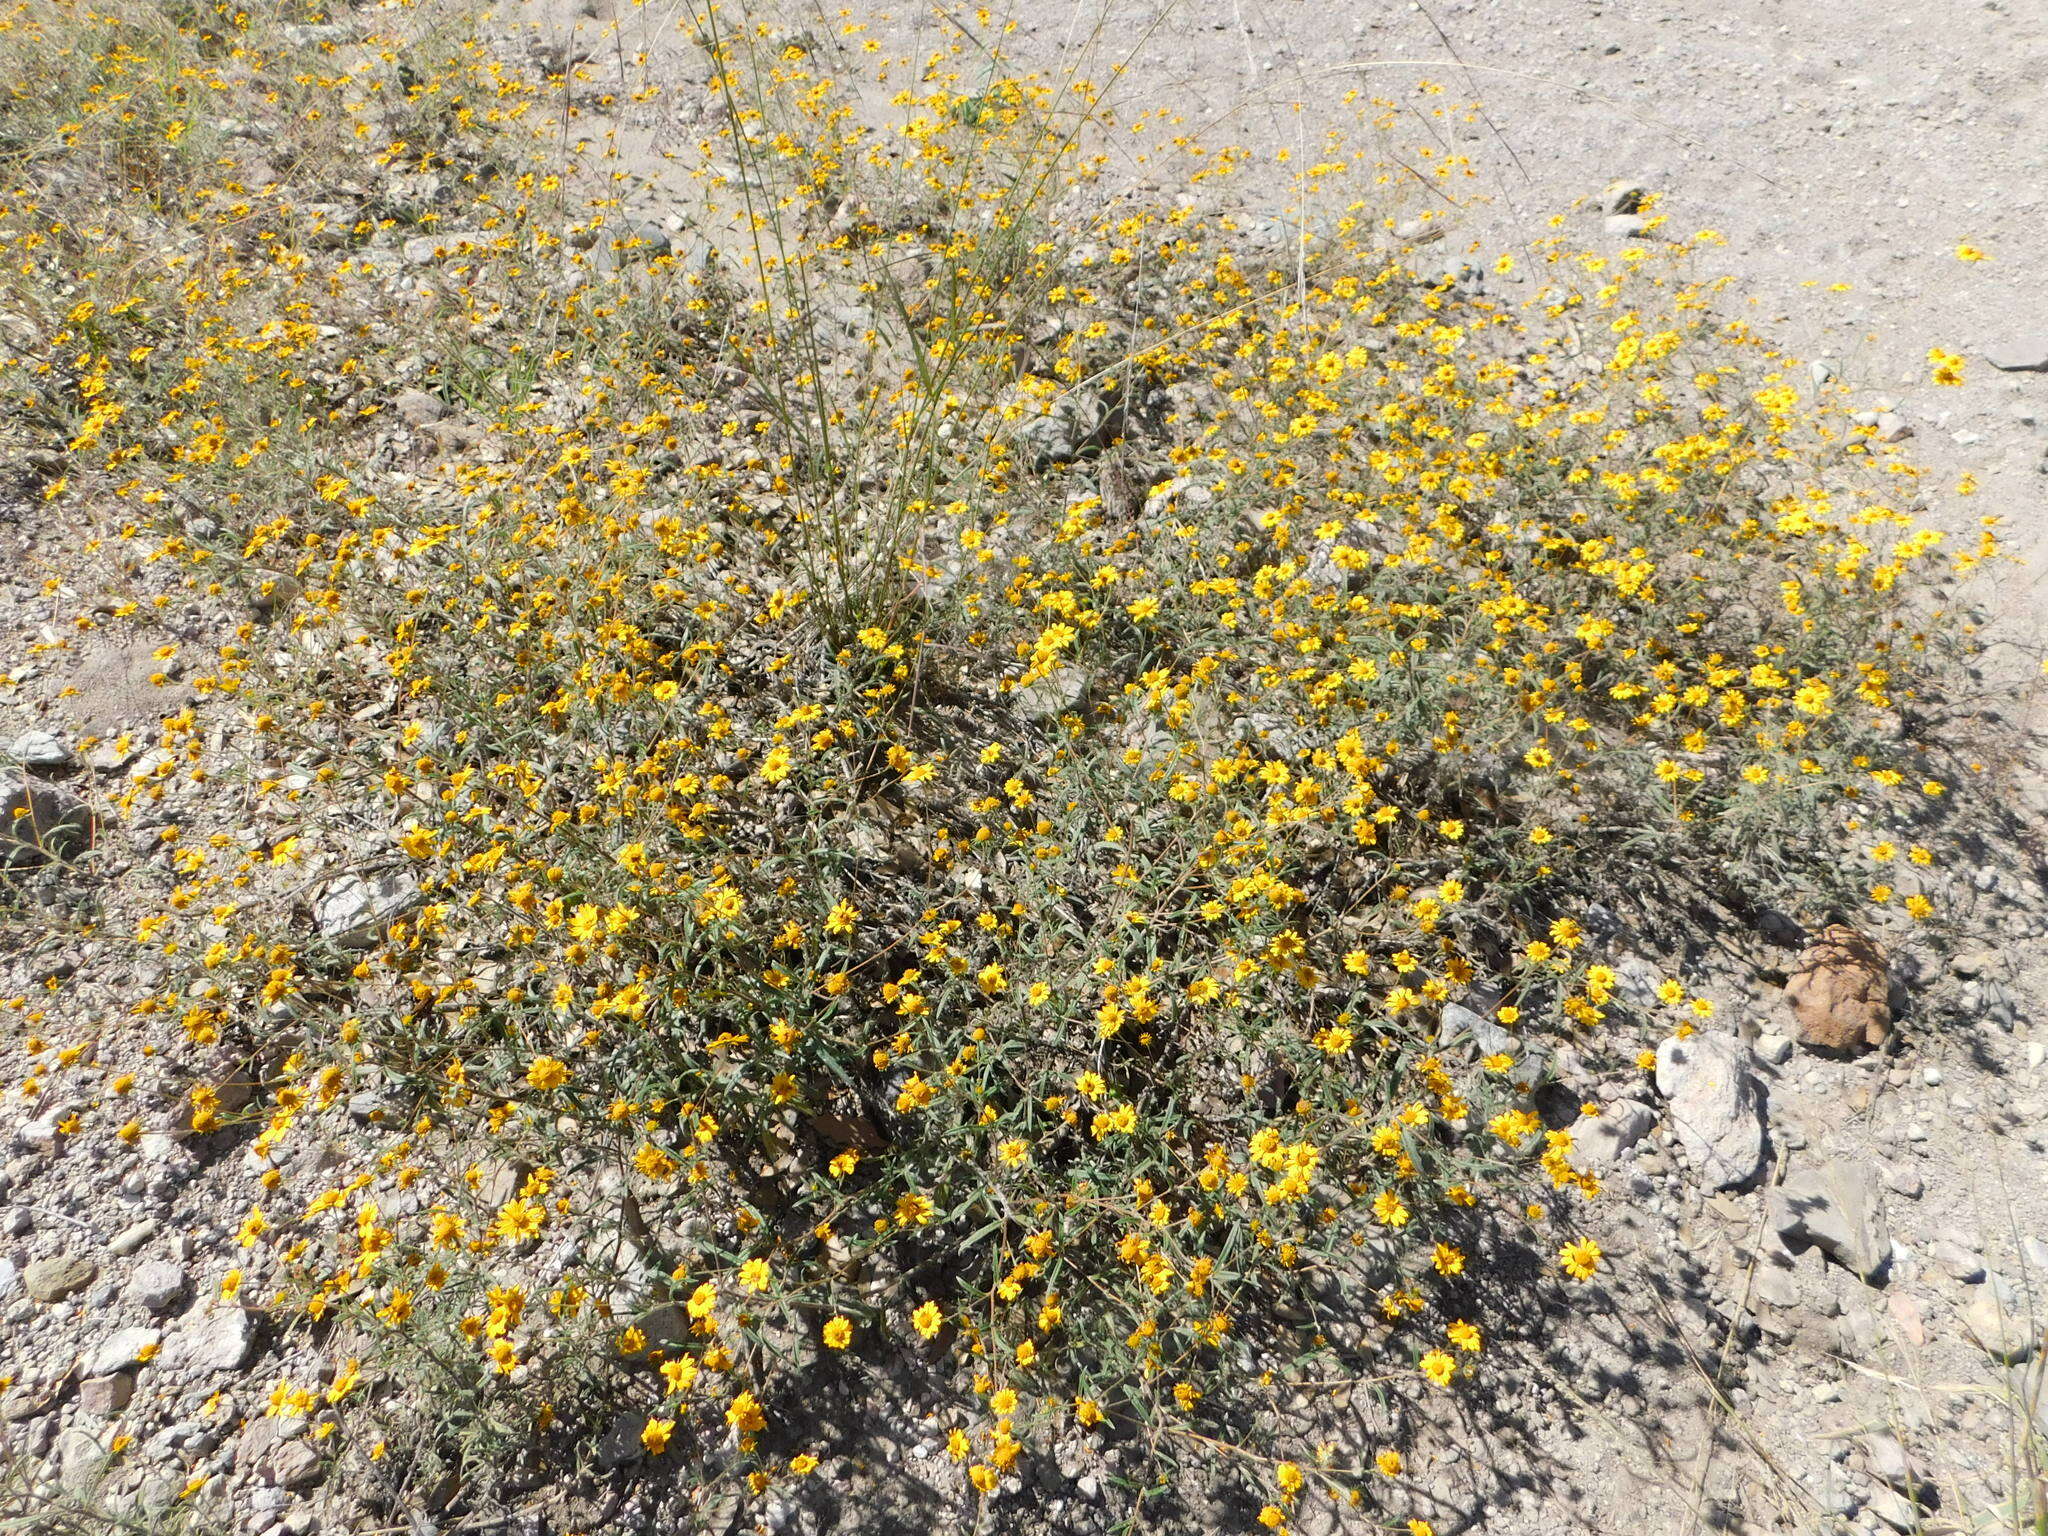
x=928, y=1319
x=1438, y=1367
x=1389, y=1463
x=754, y=1275
x=655, y=1435
x=745, y=1414
x=546, y=1072
x=519, y=1220
x=1968, y=252
x=1580, y=1260
x=838, y=1332
x=1948, y=366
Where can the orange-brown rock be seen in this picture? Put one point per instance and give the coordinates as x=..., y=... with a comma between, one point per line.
x=1839, y=992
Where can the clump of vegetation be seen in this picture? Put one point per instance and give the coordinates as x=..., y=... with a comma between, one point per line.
x=887, y=799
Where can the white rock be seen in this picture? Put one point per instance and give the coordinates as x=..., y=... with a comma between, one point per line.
x=1598, y=1141
x=1894, y=1509
x=418, y=408
x=1715, y=1105
x=2001, y=1327
x=353, y=911
x=41, y=749
x=129, y=1239
x=1775, y=1049
x=2025, y=353
x=1835, y=1207
x=157, y=1285
x=121, y=1350
x=1956, y=1261
x=217, y=1338
x=1888, y=1461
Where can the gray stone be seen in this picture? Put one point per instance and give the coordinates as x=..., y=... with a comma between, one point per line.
x=1625, y=225
x=353, y=911
x=418, y=408
x=59, y=1278
x=129, y=1240
x=291, y=1464
x=1904, y=1179
x=620, y=1443
x=1637, y=980
x=1599, y=1141
x=81, y=1459
x=40, y=821
x=1956, y=1261
x=105, y=1396
x=1834, y=1207
x=220, y=1338
x=2022, y=354
x=1715, y=1105
x=120, y=1350
x=1775, y=1049
x=41, y=749
x=1054, y=430
x=2001, y=1326
x=1891, y=427
x=1051, y=696
x=1456, y=1021
x=1894, y=1509
x=1889, y=1462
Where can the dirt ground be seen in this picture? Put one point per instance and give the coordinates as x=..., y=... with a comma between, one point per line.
x=1844, y=151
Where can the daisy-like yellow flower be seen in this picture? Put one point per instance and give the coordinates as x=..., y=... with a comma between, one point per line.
x=1580, y=1260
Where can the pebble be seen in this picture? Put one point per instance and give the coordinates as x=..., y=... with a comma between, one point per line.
x=57, y=1279
x=1775, y=1049
x=1891, y=428
x=129, y=1240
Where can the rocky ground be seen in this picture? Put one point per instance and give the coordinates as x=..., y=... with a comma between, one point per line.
x=1845, y=1235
